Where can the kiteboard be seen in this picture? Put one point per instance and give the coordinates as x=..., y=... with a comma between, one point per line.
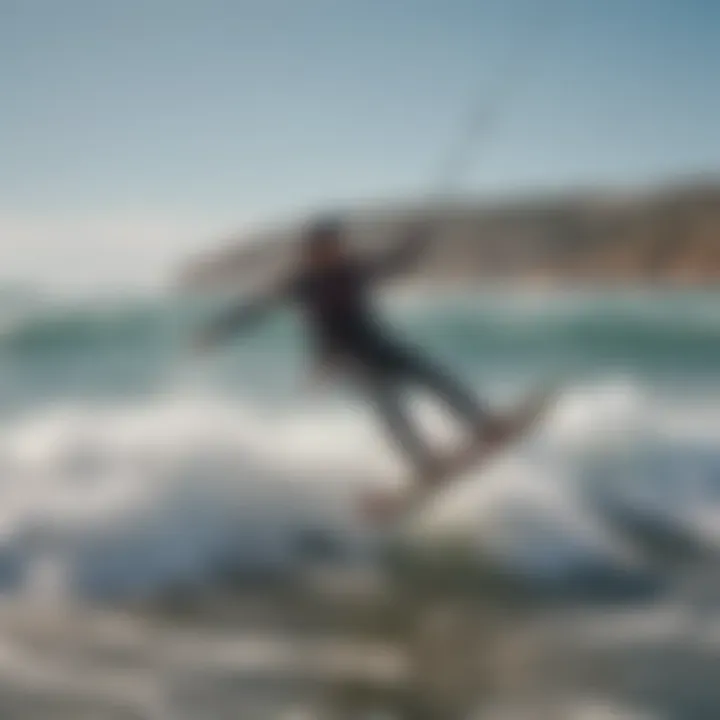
x=385, y=506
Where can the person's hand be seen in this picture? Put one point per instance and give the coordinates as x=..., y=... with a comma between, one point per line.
x=420, y=231
x=203, y=342
x=320, y=375
x=317, y=378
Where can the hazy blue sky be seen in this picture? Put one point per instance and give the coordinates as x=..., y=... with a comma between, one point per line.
x=133, y=131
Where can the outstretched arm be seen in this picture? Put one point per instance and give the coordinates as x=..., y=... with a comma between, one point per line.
x=241, y=318
x=324, y=364
x=403, y=255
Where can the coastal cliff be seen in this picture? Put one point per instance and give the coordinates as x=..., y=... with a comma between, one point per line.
x=663, y=236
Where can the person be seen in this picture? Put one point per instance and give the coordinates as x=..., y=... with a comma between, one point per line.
x=333, y=287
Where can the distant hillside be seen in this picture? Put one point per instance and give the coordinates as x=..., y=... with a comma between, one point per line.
x=670, y=235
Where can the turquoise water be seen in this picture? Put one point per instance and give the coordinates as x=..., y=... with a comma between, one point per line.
x=660, y=338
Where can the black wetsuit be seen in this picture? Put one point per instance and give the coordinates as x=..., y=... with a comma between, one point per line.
x=347, y=331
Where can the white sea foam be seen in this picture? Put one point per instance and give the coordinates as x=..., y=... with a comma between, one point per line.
x=132, y=498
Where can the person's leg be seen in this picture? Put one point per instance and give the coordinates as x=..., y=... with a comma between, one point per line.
x=384, y=394
x=461, y=400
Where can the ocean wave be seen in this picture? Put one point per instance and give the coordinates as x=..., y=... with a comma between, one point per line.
x=487, y=330
x=121, y=502
x=51, y=328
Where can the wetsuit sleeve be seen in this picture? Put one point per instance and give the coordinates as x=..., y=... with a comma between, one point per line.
x=245, y=316
x=402, y=256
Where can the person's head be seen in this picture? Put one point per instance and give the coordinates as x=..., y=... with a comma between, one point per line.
x=323, y=243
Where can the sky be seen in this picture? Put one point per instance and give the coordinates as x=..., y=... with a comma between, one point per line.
x=134, y=133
